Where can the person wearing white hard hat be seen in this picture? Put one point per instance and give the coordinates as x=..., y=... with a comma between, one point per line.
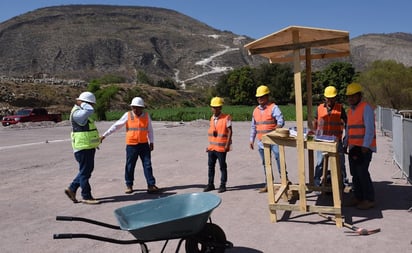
x=220, y=139
x=85, y=140
x=266, y=117
x=330, y=119
x=139, y=143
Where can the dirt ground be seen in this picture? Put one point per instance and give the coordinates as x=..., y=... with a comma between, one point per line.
x=37, y=164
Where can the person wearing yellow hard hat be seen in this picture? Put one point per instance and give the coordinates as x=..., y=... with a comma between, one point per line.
x=220, y=139
x=330, y=119
x=266, y=117
x=139, y=143
x=360, y=139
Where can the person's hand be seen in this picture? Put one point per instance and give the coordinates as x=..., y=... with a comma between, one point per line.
x=207, y=149
x=101, y=138
x=151, y=145
x=365, y=150
x=251, y=145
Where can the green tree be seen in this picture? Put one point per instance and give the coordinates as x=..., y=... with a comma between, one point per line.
x=237, y=87
x=338, y=74
x=103, y=98
x=279, y=79
x=388, y=83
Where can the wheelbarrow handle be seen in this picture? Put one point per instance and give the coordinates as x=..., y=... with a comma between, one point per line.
x=71, y=218
x=95, y=237
x=65, y=218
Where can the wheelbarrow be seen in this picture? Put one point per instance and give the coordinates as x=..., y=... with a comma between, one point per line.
x=184, y=216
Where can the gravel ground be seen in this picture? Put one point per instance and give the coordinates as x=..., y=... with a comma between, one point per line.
x=37, y=164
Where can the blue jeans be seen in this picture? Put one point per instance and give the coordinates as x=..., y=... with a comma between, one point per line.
x=132, y=154
x=319, y=165
x=361, y=179
x=85, y=159
x=221, y=157
x=275, y=151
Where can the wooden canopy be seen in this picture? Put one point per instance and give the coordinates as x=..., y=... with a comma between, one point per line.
x=279, y=46
x=287, y=45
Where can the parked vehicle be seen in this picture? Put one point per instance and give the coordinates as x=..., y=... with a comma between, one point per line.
x=31, y=115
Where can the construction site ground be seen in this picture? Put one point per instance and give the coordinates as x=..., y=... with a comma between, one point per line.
x=37, y=164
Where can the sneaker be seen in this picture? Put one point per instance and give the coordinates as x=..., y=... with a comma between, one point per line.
x=209, y=187
x=152, y=189
x=90, y=201
x=71, y=194
x=128, y=190
x=221, y=189
x=263, y=190
x=365, y=205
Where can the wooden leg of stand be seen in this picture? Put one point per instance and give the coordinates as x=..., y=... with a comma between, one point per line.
x=269, y=180
x=335, y=171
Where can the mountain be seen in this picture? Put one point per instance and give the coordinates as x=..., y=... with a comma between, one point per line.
x=371, y=47
x=72, y=44
x=86, y=41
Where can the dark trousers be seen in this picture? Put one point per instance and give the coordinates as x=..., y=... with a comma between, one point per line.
x=133, y=152
x=361, y=179
x=221, y=157
x=85, y=159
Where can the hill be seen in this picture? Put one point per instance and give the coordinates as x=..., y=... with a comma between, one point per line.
x=86, y=41
x=48, y=55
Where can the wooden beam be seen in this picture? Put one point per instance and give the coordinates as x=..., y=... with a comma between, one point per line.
x=312, y=56
x=299, y=45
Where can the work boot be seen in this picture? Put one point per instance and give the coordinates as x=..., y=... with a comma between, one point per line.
x=209, y=187
x=222, y=188
x=365, y=205
x=352, y=202
x=71, y=194
x=90, y=201
x=263, y=189
x=129, y=189
x=153, y=189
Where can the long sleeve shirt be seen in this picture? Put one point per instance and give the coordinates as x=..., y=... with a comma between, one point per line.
x=369, y=121
x=276, y=114
x=123, y=120
x=82, y=116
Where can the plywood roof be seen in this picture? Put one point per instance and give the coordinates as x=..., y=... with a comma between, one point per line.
x=279, y=46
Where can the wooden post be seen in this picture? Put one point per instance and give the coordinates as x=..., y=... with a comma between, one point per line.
x=299, y=123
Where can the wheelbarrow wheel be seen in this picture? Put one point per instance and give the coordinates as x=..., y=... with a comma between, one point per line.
x=211, y=239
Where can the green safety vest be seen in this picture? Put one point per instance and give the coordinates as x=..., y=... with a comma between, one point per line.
x=84, y=137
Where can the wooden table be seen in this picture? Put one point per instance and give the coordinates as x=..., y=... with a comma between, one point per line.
x=331, y=150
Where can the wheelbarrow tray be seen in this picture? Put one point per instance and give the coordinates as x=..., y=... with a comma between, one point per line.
x=172, y=217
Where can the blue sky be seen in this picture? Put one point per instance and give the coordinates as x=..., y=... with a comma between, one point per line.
x=258, y=18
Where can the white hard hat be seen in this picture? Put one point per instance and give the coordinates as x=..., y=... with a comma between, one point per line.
x=87, y=96
x=137, y=101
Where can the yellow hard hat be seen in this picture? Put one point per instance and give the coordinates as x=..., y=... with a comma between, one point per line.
x=216, y=102
x=330, y=92
x=353, y=88
x=262, y=90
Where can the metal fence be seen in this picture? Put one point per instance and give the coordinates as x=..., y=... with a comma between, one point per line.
x=398, y=125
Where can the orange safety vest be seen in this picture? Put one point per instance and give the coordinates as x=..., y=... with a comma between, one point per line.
x=265, y=123
x=218, y=135
x=332, y=123
x=137, y=128
x=356, y=126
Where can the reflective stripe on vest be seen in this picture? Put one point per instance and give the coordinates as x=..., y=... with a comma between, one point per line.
x=332, y=123
x=83, y=137
x=217, y=142
x=265, y=123
x=356, y=126
x=137, y=128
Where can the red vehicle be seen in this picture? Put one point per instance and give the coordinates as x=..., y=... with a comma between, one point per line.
x=31, y=115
